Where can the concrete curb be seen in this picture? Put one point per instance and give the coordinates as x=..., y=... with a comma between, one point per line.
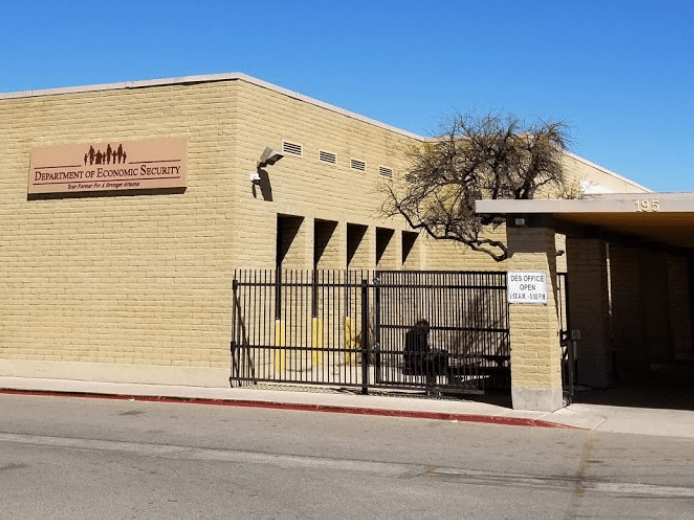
x=277, y=405
x=601, y=418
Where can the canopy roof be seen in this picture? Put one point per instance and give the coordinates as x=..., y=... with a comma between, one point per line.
x=645, y=218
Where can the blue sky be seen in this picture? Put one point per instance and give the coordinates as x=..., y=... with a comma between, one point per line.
x=620, y=72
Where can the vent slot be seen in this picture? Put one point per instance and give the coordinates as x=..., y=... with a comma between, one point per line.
x=356, y=164
x=328, y=157
x=386, y=172
x=292, y=148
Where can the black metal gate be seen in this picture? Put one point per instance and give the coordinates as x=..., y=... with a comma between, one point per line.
x=438, y=331
x=568, y=346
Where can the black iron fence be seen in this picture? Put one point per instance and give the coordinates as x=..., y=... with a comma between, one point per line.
x=438, y=331
x=567, y=345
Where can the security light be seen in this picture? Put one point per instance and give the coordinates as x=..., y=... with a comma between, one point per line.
x=270, y=156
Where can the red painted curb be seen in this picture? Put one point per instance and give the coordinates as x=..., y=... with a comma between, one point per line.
x=485, y=419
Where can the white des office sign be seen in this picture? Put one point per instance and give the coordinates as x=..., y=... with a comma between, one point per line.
x=527, y=287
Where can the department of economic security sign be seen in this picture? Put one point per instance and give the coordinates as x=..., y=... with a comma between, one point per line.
x=527, y=287
x=109, y=165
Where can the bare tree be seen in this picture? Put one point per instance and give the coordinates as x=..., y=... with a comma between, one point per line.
x=493, y=156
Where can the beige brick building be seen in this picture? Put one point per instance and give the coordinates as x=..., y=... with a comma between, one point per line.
x=134, y=285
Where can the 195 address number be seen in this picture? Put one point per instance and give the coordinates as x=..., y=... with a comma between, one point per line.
x=647, y=205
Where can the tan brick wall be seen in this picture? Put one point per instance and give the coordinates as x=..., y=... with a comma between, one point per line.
x=304, y=185
x=450, y=255
x=127, y=279
x=146, y=279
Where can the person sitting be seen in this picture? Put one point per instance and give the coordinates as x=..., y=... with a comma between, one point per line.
x=419, y=358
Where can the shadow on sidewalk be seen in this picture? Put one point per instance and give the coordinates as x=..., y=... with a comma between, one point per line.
x=663, y=386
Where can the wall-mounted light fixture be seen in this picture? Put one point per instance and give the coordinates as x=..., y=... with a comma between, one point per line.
x=270, y=156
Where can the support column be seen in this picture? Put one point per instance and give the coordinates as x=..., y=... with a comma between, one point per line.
x=589, y=309
x=656, y=299
x=294, y=242
x=329, y=244
x=411, y=244
x=535, y=349
x=387, y=249
x=628, y=311
x=680, y=325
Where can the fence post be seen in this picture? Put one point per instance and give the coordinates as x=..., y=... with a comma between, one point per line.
x=570, y=342
x=235, y=370
x=377, y=330
x=364, y=336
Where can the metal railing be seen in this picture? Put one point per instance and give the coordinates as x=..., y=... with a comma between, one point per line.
x=567, y=345
x=438, y=331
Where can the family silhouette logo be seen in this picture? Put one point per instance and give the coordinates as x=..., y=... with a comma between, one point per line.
x=110, y=156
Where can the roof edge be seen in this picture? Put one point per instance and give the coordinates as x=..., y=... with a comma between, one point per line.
x=607, y=171
x=205, y=78
x=668, y=202
x=236, y=76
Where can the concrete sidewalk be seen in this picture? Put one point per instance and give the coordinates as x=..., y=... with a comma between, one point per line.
x=601, y=418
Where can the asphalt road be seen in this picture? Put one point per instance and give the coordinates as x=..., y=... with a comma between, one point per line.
x=69, y=457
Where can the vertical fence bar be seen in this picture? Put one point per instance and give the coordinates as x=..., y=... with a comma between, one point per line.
x=377, y=329
x=364, y=336
x=235, y=372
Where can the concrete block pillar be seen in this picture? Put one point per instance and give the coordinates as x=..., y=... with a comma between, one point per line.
x=411, y=244
x=358, y=247
x=589, y=309
x=628, y=311
x=329, y=244
x=535, y=349
x=656, y=299
x=370, y=248
x=294, y=242
x=680, y=324
x=387, y=248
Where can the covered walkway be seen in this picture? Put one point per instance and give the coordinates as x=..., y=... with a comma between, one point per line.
x=629, y=260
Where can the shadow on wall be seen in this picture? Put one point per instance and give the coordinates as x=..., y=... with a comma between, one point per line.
x=263, y=185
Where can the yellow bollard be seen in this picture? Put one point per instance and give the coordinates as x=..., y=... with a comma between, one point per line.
x=280, y=354
x=349, y=339
x=317, y=341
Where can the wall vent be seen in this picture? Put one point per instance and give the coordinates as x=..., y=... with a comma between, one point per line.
x=386, y=172
x=358, y=165
x=292, y=148
x=328, y=157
